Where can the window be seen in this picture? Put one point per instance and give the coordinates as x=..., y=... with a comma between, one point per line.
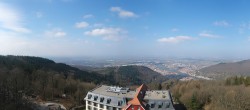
x=114, y=108
x=108, y=101
x=89, y=108
x=95, y=98
x=89, y=96
x=101, y=105
x=109, y=108
x=167, y=105
x=119, y=103
x=101, y=99
x=152, y=106
x=139, y=108
x=133, y=108
x=160, y=106
x=95, y=108
x=95, y=104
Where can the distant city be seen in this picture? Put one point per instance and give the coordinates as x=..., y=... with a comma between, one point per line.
x=177, y=68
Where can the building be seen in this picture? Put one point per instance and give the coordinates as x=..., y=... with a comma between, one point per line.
x=119, y=98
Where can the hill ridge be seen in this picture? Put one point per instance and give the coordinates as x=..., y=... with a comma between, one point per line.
x=223, y=70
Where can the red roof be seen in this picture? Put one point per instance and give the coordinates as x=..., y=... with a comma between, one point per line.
x=138, y=98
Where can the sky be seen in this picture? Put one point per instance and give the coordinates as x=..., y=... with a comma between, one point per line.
x=125, y=28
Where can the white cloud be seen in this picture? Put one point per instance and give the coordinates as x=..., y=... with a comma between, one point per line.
x=39, y=14
x=221, y=23
x=123, y=13
x=208, y=35
x=107, y=33
x=13, y=43
x=55, y=33
x=10, y=19
x=88, y=16
x=176, y=39
x=82, y=24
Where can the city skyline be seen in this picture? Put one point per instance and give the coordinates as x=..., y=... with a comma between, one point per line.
x=97, y=28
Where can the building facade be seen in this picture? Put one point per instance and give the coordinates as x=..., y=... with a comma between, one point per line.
x=119, y=98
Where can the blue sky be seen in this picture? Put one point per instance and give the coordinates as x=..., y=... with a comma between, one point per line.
x=125, y=28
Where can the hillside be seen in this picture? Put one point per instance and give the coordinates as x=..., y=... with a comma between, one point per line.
x=31, y=64
x=223, y=70
x=43, y=79
x=24, y=79
x=132, y=75
x=230, y=94
x=124, y=75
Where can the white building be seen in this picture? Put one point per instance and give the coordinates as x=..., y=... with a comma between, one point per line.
x=119, y=98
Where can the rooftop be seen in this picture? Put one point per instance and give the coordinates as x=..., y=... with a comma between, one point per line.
x=157, y=95
x=150, y=95
x=123, y=97
x=113, y=91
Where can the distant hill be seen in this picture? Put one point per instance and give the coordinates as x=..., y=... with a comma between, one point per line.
x=131, y=75
x=30, y=64
x=223, y=70
x=22, y=76
x=124, y=75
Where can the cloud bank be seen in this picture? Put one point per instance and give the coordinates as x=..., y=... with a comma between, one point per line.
x=123, y=13
x=176, y=39
x=10, y=19
x=113, y=34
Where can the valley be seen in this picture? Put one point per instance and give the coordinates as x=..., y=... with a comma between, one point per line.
x=176, y=68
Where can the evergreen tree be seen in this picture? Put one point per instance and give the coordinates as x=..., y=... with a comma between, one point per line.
x=194, y=103
x=159, y=86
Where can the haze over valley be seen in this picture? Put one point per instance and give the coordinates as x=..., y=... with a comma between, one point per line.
x=176, y=68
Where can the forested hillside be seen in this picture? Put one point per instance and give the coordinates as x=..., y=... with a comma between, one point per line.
x=132, y=75
x=43, y=79
x=230, y=94
x=32, y=64
x=223, y=70
x=22, y=77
